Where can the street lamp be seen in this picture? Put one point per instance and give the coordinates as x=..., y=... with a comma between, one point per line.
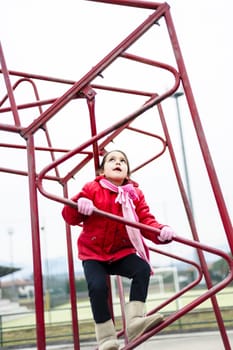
x=177, y=95
x=47, y=279
x=10, y=233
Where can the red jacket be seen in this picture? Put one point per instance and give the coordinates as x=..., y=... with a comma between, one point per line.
x=102, y=238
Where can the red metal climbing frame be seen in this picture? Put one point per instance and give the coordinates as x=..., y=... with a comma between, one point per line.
x=94, y=146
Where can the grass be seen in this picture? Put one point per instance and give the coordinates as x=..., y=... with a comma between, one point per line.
x=59, y=329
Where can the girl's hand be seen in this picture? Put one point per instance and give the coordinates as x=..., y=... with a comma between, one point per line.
x=166, y=234
x=85, y=206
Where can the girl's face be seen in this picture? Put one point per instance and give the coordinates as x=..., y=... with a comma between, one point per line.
x=115, y=168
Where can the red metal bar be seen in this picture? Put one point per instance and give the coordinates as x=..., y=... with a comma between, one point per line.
x=95, y=71
x=10, y=128
x=39, y=77
x=209, y=294
x=208, y=162
x=133, y=3
x=73, y=298
x=91, y=106
x=9, y=88
x=29, y=105
x=190, y=215
x=172, y=298
x=170, y=319
x=81, y=89
x=35, y=231
x=118, y=125
x=122, y=304
x=200, y=133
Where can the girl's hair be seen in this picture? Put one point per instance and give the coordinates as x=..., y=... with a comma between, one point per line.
x=101, y=167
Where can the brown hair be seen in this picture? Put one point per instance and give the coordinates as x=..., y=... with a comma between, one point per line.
x=101, y=167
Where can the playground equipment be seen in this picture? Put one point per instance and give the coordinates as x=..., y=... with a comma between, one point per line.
x=87, y=153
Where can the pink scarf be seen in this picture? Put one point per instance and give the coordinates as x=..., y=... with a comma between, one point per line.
x=126, y=195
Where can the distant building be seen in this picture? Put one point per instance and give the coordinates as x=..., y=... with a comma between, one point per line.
x=4, y=271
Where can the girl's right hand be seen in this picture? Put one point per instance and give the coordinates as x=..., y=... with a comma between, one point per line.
x=85, y=206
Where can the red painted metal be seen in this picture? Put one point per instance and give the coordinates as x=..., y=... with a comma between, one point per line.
x=134, y=3
x=200, y=132
x=9, y=89
x=38, y=283
x=73, y=297
x=86, y=89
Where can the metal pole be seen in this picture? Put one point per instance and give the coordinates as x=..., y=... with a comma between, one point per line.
x=176, y=95
x=47, y=277
x=13, y=288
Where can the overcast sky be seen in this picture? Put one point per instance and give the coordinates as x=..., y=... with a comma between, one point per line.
x=65, y=39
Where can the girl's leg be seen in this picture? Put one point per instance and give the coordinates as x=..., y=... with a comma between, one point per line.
x=96, y=274
x=96, y=277
x=137, y=269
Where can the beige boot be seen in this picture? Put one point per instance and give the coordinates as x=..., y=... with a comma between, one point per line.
x=106, y=336
x=136, y=322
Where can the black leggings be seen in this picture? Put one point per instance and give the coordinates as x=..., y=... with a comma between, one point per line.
x=96, y=272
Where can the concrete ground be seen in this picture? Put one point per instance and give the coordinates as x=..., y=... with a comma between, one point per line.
x=192, y=341
x=189, y=341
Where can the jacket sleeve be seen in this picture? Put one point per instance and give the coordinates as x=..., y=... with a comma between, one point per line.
x=71, y=214
x=145, y=217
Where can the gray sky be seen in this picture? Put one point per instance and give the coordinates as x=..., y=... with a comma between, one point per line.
x=65, y=39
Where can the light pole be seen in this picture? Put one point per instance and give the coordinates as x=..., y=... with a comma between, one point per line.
x=10, y=233
x=176, y=96
x=47, y=279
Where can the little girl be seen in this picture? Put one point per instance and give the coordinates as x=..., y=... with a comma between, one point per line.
x=107, y=247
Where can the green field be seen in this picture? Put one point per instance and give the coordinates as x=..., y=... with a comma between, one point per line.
x=21, y=331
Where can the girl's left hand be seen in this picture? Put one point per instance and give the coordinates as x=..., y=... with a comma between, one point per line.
x=166, y=234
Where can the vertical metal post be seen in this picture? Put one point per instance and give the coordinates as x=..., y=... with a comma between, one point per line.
x=13, y=286
x=176, y=95
x=1, y=332
x=36, y=249
x=73, y=296
x=47, y=276
x=226, y=220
